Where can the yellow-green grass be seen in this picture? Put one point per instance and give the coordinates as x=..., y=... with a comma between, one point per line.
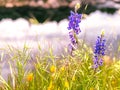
x=65, y=72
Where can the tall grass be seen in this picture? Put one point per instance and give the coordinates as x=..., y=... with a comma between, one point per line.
x=49, y=72
x=65, y=72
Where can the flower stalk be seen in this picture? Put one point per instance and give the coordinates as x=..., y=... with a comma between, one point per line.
x=73, y=26
x=99, y=51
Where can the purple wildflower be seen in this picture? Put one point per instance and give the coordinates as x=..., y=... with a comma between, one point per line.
x=99, y=51
x=74, y=20
x=100, y=46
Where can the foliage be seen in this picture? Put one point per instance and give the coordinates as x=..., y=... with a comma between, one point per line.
x=59, y=73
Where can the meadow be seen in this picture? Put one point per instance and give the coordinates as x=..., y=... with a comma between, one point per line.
x=66, y=72
x=72, y=70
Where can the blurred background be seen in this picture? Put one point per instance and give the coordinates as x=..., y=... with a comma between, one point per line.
x=46, y=21
x=41, y=9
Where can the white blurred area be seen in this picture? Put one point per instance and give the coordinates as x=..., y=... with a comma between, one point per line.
x=19, y=32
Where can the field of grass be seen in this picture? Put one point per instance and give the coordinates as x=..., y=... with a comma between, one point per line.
x=79, y=69
x=63, y=72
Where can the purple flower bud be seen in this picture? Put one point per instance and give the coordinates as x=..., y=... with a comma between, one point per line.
x=72, y=38
x=100, y=62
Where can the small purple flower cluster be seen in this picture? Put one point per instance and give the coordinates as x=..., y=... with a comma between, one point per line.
x=74, y=20
x=99, y=51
